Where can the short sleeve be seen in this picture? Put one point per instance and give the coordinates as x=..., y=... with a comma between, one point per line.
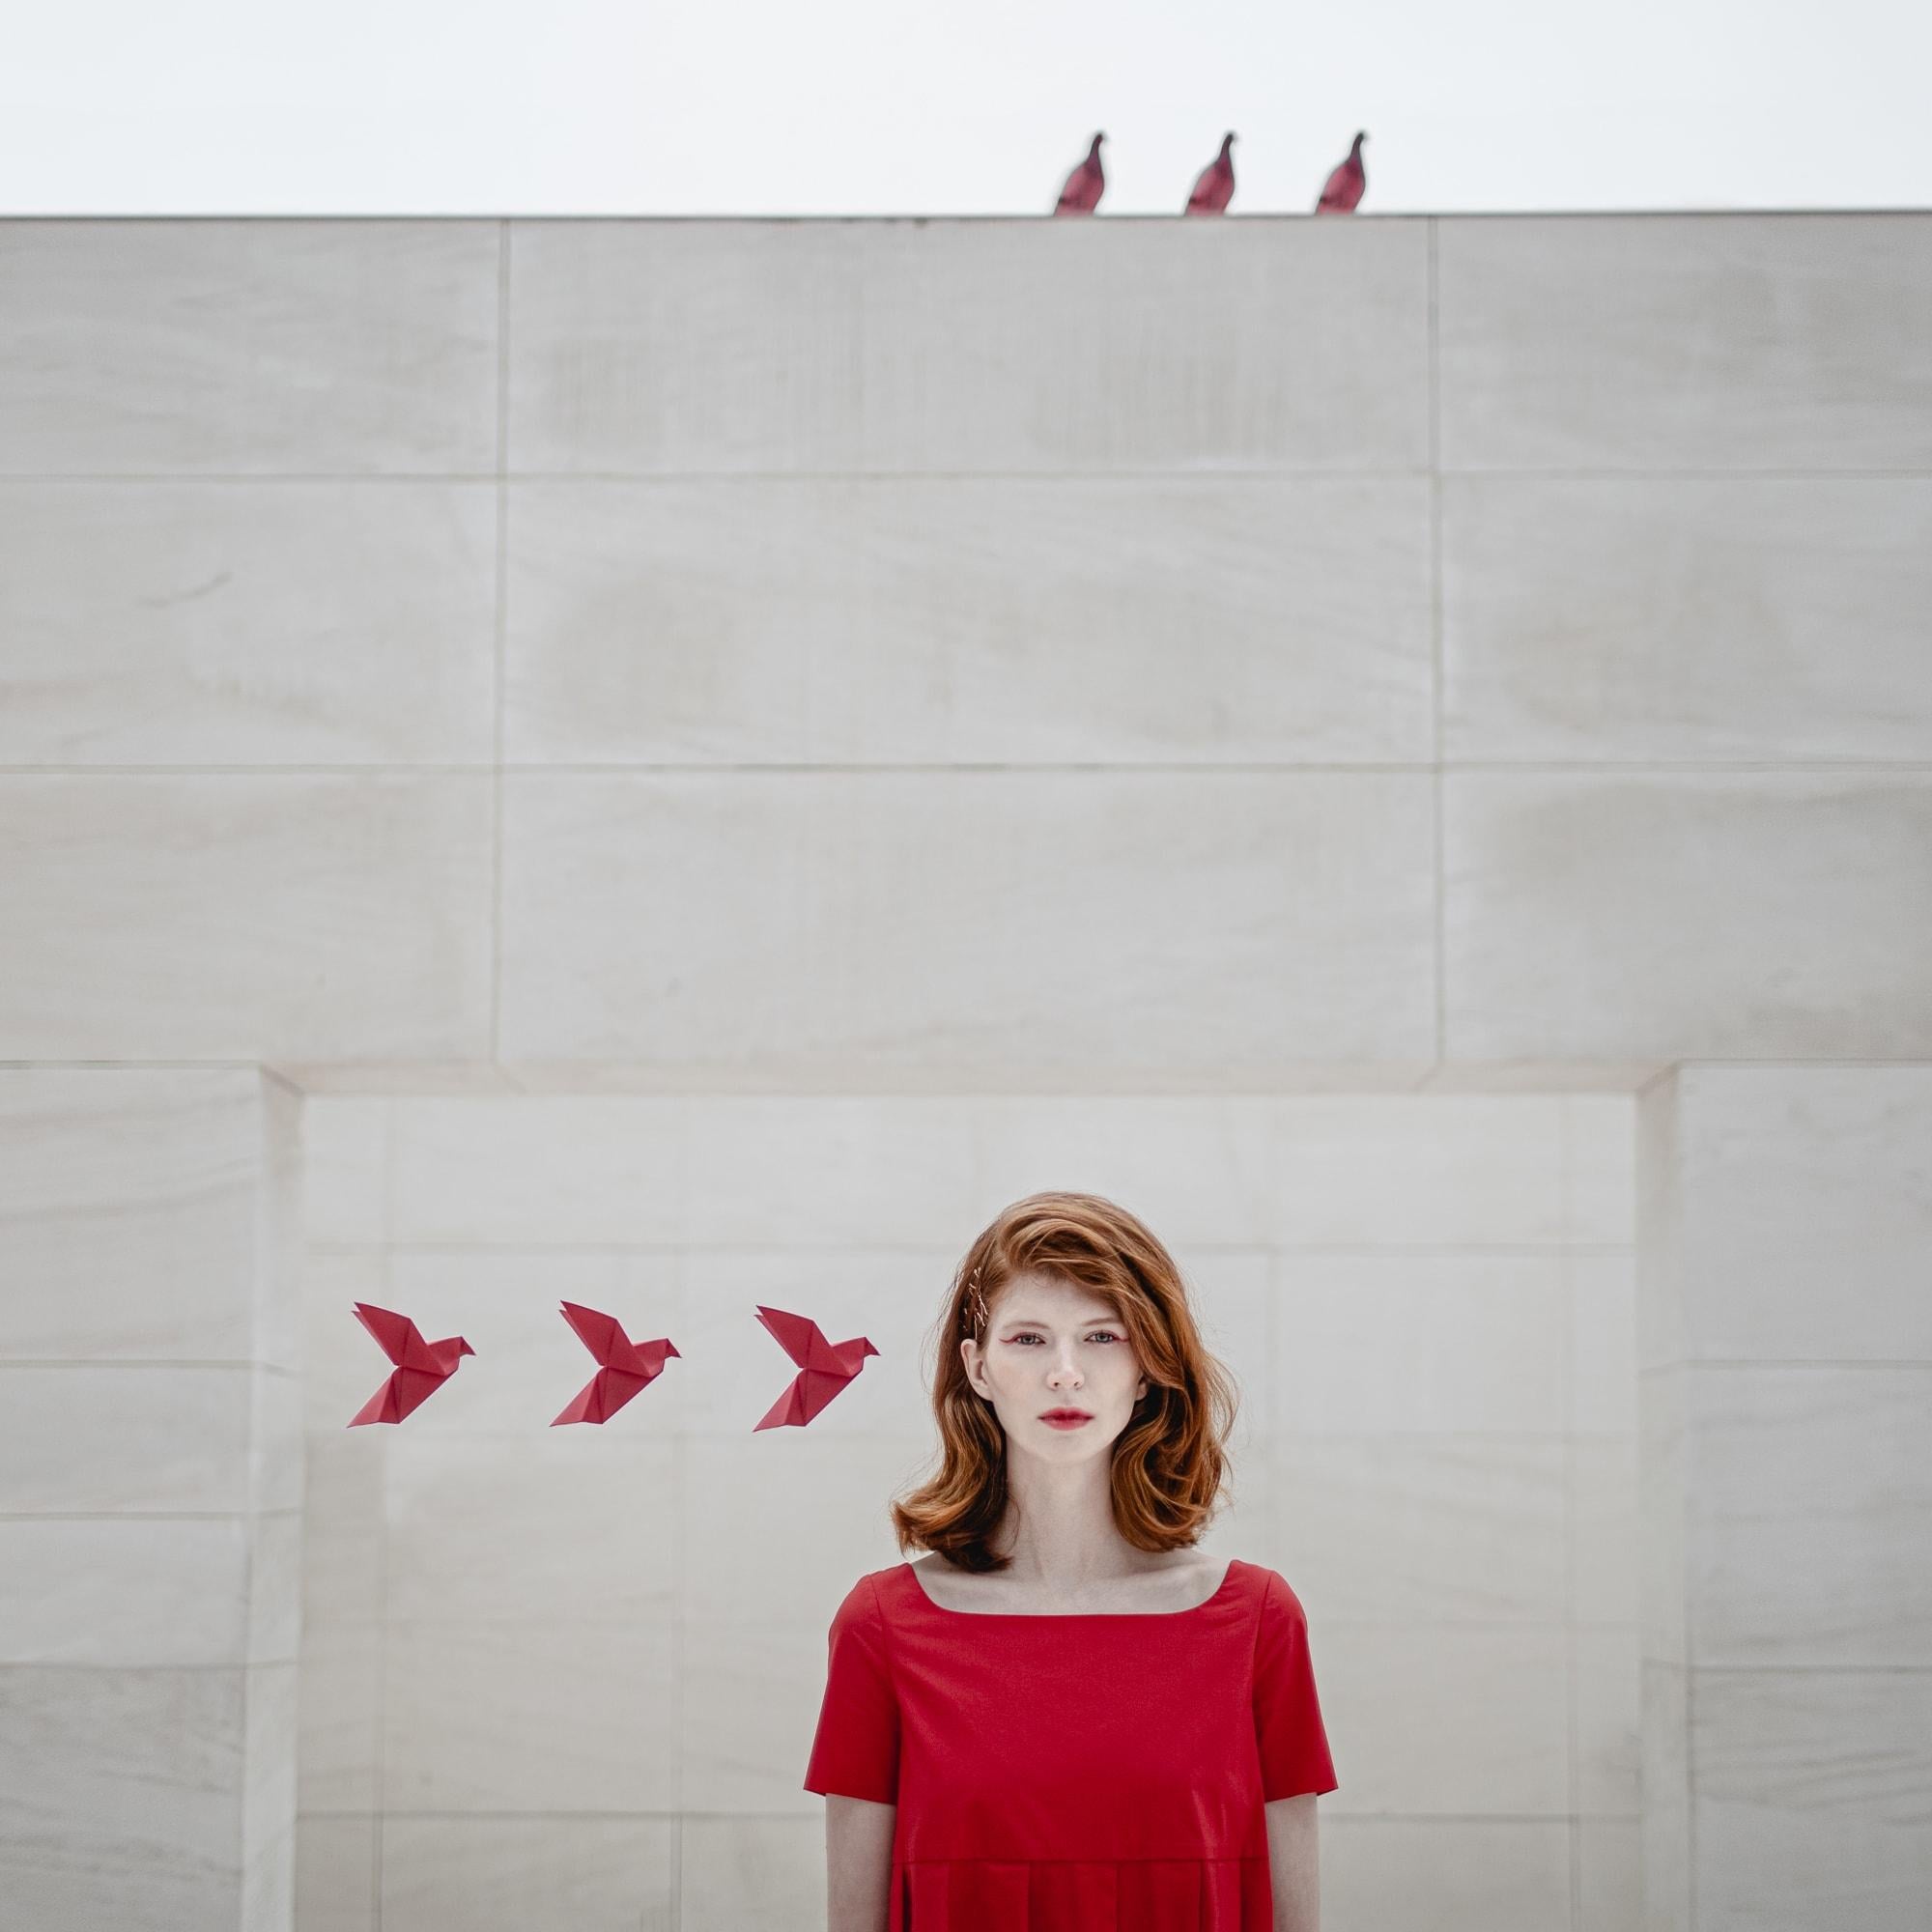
x=856, y=1751
x=1287, y=1717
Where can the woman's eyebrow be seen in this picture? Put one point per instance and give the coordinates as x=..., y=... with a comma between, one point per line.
x=1036, y=1321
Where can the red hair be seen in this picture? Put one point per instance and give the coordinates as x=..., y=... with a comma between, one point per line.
x=1170, y=1465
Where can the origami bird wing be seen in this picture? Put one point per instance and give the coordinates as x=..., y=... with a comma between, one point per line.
x=601, y=1397
x=604, y=1336
x=399, y=1338
x=801, y=1338
x=403, y=1391
x=382, y=1406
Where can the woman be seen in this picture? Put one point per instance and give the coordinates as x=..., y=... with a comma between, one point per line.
x=1067, y=1719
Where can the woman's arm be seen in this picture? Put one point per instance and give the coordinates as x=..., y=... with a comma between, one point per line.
x=1294, y=1869
x=859, y=1863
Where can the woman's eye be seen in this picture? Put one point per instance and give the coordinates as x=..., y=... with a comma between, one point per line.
x=1100, y=1334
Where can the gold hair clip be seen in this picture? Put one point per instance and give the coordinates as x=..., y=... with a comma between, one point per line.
x=975, y=1303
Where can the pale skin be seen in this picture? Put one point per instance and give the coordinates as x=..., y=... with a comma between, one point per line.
x=1052, y=1343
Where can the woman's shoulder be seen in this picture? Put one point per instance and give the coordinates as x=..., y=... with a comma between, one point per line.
x=1260, y=1573
x=865, y=1602
x=1277, y=1606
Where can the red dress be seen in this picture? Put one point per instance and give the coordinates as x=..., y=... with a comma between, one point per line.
x=1085, y=1773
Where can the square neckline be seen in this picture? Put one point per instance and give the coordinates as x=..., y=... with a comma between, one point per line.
x=1221, y=1589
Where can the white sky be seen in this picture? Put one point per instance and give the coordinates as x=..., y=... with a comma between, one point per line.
x=969, y=107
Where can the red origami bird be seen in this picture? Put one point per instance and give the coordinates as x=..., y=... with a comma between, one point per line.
x=1085, y=185
x=823, y=1370
x=421, y=1367
x=1214, y=186
x=1344, y=187
x=625, y=1366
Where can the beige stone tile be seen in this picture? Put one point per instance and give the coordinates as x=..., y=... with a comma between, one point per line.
x=1423, y=1529
x=1701, y=620
x=947, y=619
x=248, y=347
x=1421, y=1345
x=242, y=916
x=772, y=916
x=206, y=623
x=1620, y=913
x=488, y=1718
x=1658, y=341
x=605, y=1874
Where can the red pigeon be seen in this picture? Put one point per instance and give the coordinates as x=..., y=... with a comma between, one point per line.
x=421, y=1367
x=1344, y=187
x=823, y=1370
x=624, y=1366
x=1085, y=185
x=1215, y=186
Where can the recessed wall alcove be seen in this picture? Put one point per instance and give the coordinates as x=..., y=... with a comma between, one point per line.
x=534, y=1657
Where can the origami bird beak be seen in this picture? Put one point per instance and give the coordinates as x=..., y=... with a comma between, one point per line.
x=463, y=1348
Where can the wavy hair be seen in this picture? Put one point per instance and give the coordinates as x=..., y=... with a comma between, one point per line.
x=1170, y=1464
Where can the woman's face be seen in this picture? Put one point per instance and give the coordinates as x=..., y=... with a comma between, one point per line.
x=1054, y=1344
